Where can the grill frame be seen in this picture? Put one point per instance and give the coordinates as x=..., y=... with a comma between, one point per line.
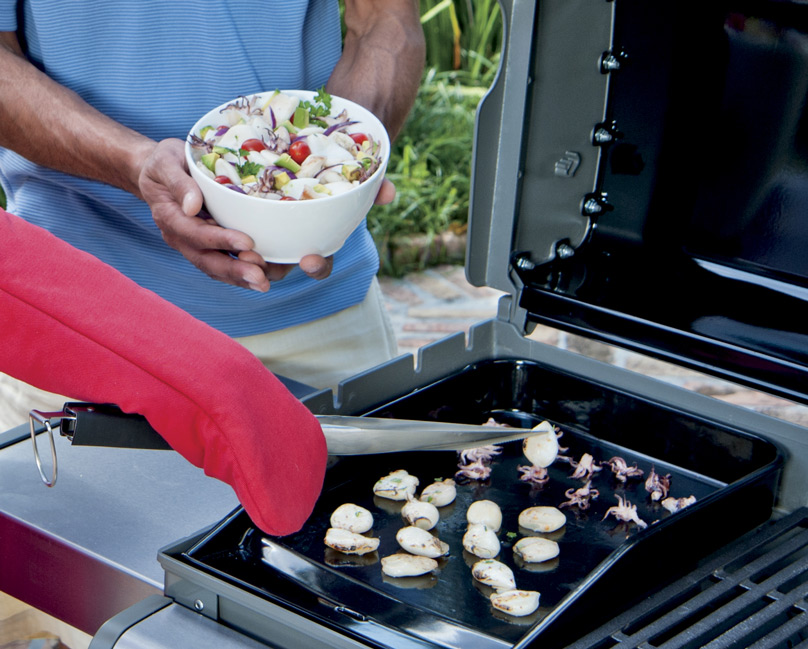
x=732, y=569
x=188, y=574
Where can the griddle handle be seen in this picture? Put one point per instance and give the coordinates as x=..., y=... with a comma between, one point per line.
x=92, y=424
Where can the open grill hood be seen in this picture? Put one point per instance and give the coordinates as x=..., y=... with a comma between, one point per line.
x=641, y=179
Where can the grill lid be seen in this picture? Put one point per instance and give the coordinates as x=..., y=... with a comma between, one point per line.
x=641, y=178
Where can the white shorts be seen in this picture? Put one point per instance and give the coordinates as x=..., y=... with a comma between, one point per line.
x=323, y=352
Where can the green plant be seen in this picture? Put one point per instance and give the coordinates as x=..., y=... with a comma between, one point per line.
x=430, y=163
x=463, y=35
x=430, y=166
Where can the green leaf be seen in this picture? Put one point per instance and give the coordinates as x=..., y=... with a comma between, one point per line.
x=321, y=107
x=249, y=169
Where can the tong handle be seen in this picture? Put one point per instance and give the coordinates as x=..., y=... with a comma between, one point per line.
x=92, y=424
x=34, y=417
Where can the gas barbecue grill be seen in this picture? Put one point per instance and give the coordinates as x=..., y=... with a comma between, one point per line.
x=638, y=171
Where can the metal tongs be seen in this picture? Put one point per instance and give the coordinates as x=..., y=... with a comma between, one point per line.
x=89, y=424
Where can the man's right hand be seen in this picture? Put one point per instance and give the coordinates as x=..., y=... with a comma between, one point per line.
x=176, y=202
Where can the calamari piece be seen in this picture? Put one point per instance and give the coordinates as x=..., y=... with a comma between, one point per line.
x=486, y=512
x=658, y=485
x=622, y=471
x=585, y=468
x=479, y=454
x=352, y=518
x=403, y=564
x=420, y=514
x=494, y=573
x=481, y=541
x=535, y=549
x=541, y=448
x=417, y=541
x=350, y=542
x=580, y=497
x=534, y=474
x=674, y=505
x=516, y=602
x=542, y=518
x=477, y=470
x=397, y=485
x=440, y=493
x=626, y=512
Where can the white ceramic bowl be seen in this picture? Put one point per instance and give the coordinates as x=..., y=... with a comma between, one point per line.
x=286, y=231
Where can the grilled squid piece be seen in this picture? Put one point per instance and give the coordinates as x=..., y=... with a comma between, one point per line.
x=403, y=564
x=486, y=512
x=542, y=519
x=541, y=448
x=397, y=485
x=585, y=468
x=350, y=542
x=420, y=542
x=535, y=474
x=440, y=493
x=481, y=453
x=420, y=514
x=622, y=471
x=658, y=485
x=674, y=505
x=478, y=470
x=535, y=549
x=626, y=512
x=516, y=602
x=474, y=462
x=352, y=518
x=580, y=497
x=481, y=541
x=494, y=573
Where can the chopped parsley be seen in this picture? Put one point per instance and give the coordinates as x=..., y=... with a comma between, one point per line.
x=321, y=107
x=249, y=169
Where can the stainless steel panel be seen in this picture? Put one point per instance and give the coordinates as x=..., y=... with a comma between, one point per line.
x=87, y=548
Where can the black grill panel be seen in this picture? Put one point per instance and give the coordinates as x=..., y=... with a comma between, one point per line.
x=752, y=595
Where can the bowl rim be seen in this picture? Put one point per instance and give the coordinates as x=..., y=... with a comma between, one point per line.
x=302, y=94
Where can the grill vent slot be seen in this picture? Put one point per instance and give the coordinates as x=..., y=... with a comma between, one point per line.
x=752, y=595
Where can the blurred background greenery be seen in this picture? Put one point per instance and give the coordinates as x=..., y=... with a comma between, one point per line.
x=430, y=163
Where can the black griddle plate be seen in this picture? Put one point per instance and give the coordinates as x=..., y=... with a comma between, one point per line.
x=603, y=565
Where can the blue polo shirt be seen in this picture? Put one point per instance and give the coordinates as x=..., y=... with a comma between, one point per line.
x=156, y=66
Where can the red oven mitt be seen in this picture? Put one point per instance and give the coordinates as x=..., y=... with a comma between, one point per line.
x=73, y=325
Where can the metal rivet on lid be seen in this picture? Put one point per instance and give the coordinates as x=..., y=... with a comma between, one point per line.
x=564, y=250
x=199, y=605
x=602, y=136
x=611, y=62
x=592, y=206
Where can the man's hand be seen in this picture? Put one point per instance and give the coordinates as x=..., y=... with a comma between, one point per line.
x=222, y=253
x=176, y=201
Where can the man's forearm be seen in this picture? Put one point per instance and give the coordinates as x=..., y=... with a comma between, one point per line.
x=383, y=58
x=54, y=127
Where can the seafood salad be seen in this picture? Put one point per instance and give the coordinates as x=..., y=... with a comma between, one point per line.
x=279, y=147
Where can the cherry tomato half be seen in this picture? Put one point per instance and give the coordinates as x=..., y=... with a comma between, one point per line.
x=288, y=198
x=223, y=180
x=299, y=151
x=253, y=145
x=359, y=138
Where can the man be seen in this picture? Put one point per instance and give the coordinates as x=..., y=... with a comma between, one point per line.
x=97, y=98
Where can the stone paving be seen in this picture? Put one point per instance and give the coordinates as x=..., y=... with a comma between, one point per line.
x=427, y=306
